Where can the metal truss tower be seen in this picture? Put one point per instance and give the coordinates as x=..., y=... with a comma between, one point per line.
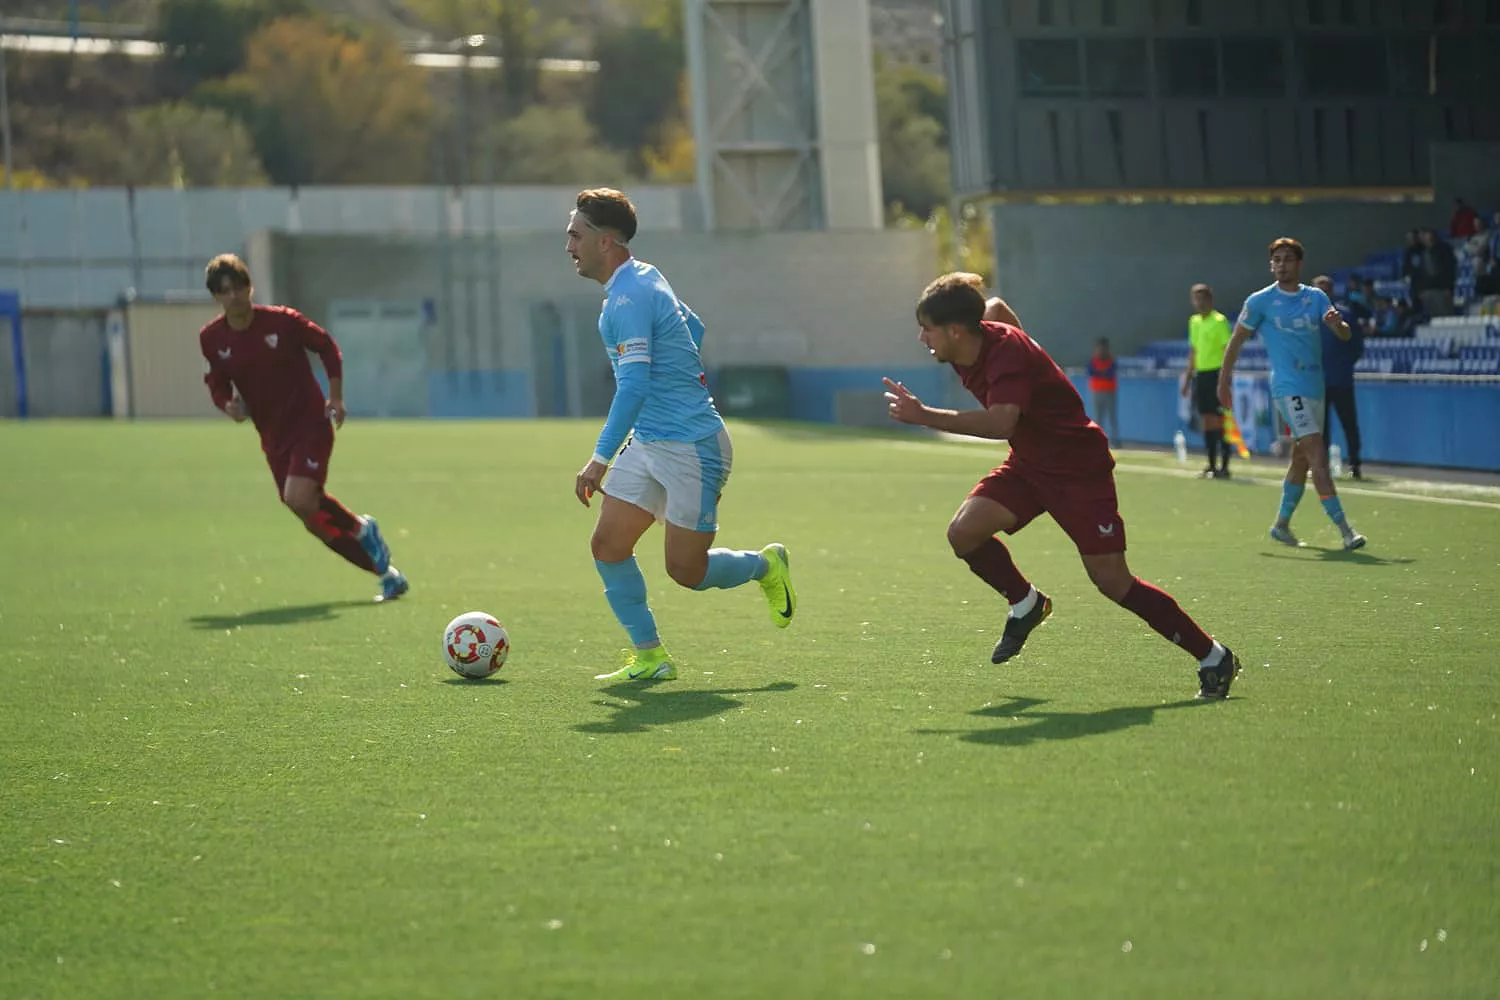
x=783, y=107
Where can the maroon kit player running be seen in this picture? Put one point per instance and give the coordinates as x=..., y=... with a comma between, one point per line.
x=258, y=367
x=1059, y=464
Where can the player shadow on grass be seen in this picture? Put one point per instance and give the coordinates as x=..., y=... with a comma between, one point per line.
x=292, y=615
x=1027, y=727
x=1340, y=554
x=640, y=707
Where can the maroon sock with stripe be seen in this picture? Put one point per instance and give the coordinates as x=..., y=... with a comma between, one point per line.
x=991, y=562
x=1165, y=615
x=337, y=527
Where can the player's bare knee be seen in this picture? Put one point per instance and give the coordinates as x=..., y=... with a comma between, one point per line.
x=963, y=537
x=607, y=549
x=1112, y=579
x=687, y=571
x=299, y=503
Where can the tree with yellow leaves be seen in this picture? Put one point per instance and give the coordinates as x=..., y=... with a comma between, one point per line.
x=326, y=108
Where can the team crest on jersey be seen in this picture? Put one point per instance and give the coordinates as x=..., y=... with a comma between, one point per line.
x=271, y=340
x=224, y=354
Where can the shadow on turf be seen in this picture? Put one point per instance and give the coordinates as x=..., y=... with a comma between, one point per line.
x=1359, y=556
x=638, y=707
x=293, y=615
x=1029, y=727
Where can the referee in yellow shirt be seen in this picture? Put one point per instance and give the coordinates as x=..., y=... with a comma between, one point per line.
x=1208, y=333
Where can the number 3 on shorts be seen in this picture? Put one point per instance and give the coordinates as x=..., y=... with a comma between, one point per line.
x=1303, y=414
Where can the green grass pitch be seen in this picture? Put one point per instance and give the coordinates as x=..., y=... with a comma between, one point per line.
x=226, y=771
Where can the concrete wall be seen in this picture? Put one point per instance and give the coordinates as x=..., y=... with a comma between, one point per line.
x=1077, y=272
x=1467, y=170
x=508, y=311
x=66, y=368
x=83, y=249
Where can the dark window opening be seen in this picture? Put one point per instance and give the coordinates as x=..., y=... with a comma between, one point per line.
x=1116, y=67
x=1343, y=67
x=1254, y=67
x=1411, y=65
x=1049, y=68
x=1187, y=67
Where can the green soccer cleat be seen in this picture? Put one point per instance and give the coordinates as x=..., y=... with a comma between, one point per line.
x=777, y=584
x=643, y=665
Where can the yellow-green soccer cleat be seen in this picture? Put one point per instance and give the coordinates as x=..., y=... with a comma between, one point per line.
x=777, y=584
x=643, y=665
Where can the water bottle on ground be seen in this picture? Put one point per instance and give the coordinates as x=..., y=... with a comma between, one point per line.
x=1179, y=444
x=1335, y=461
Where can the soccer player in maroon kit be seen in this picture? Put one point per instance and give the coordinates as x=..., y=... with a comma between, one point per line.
x=1059, y=464
x=258, y=367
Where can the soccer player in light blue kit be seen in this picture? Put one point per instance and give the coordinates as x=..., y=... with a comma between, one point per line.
x=1289, y=316
x=677, y=453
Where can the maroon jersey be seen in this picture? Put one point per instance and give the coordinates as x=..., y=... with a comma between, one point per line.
x=1054, y=435
x=267, y=362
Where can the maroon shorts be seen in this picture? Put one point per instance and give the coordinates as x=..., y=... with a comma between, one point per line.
x=1087, y=509
x=306, y=455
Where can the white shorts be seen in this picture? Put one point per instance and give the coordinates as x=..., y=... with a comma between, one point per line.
x=677, y=481
x=1303, y=414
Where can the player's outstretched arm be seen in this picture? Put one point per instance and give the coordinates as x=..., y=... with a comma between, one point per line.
x=996, y=422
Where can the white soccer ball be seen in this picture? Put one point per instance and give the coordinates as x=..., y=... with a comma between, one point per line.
x=475, y=644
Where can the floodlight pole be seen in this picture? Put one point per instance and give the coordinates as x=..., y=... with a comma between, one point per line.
x=10, y=173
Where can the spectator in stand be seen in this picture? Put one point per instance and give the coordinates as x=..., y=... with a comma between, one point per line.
x=1358, y=304
x=1461, y=226
x=1495, y=235
x=1103, y=386
x=1480, y=241
x=1387, y=319
x=1486, y=274
x=1412, y=316
x=1411, y=262
x=1339, y=359
x=1439, y=274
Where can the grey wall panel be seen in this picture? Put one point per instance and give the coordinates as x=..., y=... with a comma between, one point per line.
x=65, y=364
x=1185, y=145
x=1231, y=130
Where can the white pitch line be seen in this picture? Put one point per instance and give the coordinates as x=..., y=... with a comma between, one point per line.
x=1152, y=470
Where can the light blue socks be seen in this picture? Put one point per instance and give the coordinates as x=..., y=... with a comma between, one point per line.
x=728, y=568
x=1291, y=495
x=625, y=589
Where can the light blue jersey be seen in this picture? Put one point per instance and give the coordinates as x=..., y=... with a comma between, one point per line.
x=652, y=337
x=1290, y=324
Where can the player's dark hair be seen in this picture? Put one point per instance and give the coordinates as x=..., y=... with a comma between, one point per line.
x=606, y=208
x=1284, y=243
x=1205, y=289
x=954, y=298
x=226, y=265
